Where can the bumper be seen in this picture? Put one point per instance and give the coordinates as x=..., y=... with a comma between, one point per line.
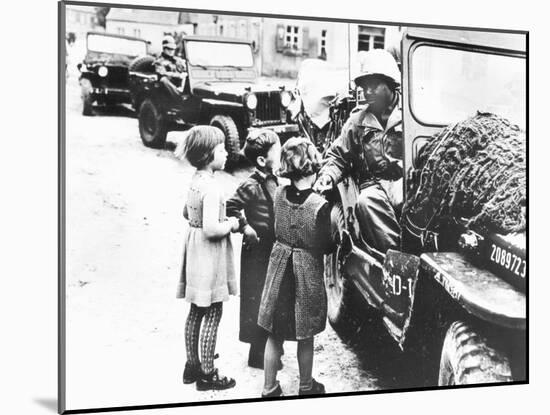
x=119, y=94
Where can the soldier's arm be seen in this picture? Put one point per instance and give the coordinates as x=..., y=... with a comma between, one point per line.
x=180, y=71
x=339, y=156
x=159, y=67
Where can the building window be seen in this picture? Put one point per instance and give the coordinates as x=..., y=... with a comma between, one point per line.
x=221, y=30
x=120, y=30
x=371, y=37
x=137, y=32
x=293, y=37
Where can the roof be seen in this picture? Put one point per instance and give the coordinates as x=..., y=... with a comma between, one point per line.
x=166, y=18
x=114, y=35
x=509, y=41
x=81, y=9
x=201, y=38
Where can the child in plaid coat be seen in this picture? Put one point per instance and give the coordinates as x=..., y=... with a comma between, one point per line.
x=294, y=303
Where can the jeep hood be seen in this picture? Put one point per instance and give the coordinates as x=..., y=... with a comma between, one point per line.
x=231, y=91
x=109, y=59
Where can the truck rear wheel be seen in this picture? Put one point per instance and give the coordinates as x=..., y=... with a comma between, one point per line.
x=232, y=140
x=152, y=126
x=338, y=287
x=467, y=359
x=87, y=108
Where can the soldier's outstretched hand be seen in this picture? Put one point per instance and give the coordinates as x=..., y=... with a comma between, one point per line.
x=323, y=184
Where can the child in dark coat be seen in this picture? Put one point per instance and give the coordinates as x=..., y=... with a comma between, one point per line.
x=294, y=302
x=254, y=197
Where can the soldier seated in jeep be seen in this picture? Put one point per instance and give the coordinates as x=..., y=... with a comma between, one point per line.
x=221, y=88
x=369, y=149
x=172, y=69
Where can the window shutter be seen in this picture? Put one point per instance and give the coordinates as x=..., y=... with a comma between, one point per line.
x=305, y=41
x=280, y=38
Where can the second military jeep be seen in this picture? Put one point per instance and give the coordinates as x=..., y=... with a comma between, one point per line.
x=221, y=89
x=457, y=303
x=104, y=70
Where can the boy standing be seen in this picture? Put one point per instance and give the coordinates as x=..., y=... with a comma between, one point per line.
x=254, y=197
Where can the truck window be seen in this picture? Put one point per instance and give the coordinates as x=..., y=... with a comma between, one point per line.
x=449, y=85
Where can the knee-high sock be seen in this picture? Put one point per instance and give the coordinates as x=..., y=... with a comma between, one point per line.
x=305, y=362
x=192, y=330
x=209, y=334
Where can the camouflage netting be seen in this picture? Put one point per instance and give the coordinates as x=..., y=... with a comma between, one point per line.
x=475, y=169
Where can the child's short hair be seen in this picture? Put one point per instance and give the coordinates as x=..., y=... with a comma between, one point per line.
x=200, y=143
x=299, y=158
x=258, y=144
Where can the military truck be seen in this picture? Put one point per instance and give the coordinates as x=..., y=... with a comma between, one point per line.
x=221, y=89
x=458, y=307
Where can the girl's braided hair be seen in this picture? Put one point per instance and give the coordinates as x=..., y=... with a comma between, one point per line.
x=299, y=158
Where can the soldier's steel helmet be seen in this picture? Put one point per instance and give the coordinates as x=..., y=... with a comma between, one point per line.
x=378, y=62
x=168, y=42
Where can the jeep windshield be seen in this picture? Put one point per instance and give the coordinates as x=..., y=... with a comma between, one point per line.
x=116, y=45
x=231, y=55
x=449, y=85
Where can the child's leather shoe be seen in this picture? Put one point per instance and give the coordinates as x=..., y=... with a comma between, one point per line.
x=316, y=389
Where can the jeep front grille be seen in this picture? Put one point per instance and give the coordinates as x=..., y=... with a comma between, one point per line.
x=117, y=77
x=269, y=106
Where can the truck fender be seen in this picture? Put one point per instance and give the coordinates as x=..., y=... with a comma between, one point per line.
x=477, y=290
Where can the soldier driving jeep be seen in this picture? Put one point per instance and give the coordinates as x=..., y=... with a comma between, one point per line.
x=369, y=149
x=172, y=69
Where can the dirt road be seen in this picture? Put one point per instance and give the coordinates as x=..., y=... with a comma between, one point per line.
x=124, y=227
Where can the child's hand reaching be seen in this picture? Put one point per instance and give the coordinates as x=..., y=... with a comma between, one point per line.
x=234, y=223
x=250, y=236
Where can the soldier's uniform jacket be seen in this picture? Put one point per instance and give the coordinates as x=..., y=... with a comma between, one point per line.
x=363, y=147
x=166, y=64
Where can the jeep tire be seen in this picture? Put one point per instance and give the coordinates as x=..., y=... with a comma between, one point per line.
x=152, y=125
x=467, y=359
x=339, y=288
x=231, y=132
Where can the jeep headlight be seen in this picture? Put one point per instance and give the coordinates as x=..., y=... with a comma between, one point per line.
x=285, y=98
x=102, y=71
x=251, y=101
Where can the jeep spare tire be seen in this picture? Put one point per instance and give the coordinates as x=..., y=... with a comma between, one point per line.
x=232, y=141
x=467, y=359
x=152, y=125
x=87, y=108
x=142, y=64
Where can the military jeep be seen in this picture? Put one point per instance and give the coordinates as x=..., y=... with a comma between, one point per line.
x=104, y=70
x=221, y=89
x=457, y=304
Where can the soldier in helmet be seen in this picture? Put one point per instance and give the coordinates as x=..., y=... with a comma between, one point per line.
x=369, y=149
x=171, y=69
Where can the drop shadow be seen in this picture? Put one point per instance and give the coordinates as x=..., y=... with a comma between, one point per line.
x=48, y=403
